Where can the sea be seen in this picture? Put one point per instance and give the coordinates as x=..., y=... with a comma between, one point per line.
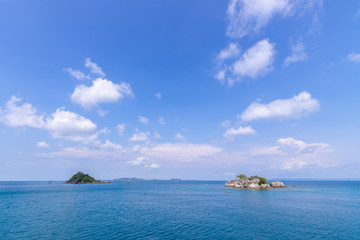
x=179, y=210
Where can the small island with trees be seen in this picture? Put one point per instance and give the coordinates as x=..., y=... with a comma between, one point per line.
x=81, y=178
x=254, y=182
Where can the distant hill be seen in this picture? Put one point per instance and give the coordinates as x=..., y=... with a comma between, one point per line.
x=128, y=179
x=175, y=179
x=80, y=178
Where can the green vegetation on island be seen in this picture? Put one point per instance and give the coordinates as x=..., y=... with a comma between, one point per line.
x=253, y=182
x=81, y=177
x=244, y=177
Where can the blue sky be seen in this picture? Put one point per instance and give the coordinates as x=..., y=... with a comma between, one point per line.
x=179, y=89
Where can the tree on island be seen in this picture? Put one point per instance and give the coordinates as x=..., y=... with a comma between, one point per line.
x=81, y=177
x=244, y=177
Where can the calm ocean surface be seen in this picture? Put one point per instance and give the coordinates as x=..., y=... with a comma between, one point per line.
x=178, y=210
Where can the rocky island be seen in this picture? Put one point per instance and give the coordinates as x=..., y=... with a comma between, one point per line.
x=253, y=183
x=80, y=178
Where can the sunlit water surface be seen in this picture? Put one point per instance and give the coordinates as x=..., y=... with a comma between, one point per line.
x=178, y=210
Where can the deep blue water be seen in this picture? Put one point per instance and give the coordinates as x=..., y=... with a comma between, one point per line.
x=178, y=210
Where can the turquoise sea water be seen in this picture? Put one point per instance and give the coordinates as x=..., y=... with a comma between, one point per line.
x=178, y=210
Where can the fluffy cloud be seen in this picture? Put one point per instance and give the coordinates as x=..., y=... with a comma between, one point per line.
x=139, y=137
x=120, y=129
x=353, y=57
x=110, y=145
x=16, y=114
x=220, y=75
x=67, y=125
x=247, y=16
x=101, y=91
x=293, y=154
x=42, y=144
x=154, y=165
x=143, y=120
x=94, y=68
x=183, y=152
x=157, y=135
x=298, y=106
x=105, y=131
x=301, y=154
x=292, y=146
x=232, y=51
x=250, y=16
x=61, y=124
x=137, y=162
x=77, y=74
x=297, y=54
x=143, y=162
x=256, y=61
x=84, y=152
x=150, y=157
x=232, y=132
x=179, y=137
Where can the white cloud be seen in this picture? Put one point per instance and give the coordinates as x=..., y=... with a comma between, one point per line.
x=42, y=144
x=77, y=74
x=138, y=161
x=161, y=120
x=94, y=68
x=353, y=57
x=292, y=146
x=16, y=114
x=157, y=135
x=220, y=75
x=293, y=154
x=85, y=152
x=274, y=150
x=232, y=132
x=232, y=51
x=143, y=162
x=179, y=137
x=101, y=91
x=139, y=137
x=298, y=54
x=154, y=165
x=248, y=16
x=143, y=120
x=256, y=61
x=104, y=131
x=158, y=95
x=102, y=112
x=298, y=106
x=110, y=145
x=61, y=124
x=182, y=152
x=301, y=154
x=67, y=125
x=120, y=129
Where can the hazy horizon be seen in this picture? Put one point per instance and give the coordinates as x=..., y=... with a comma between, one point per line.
x=180, y=89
